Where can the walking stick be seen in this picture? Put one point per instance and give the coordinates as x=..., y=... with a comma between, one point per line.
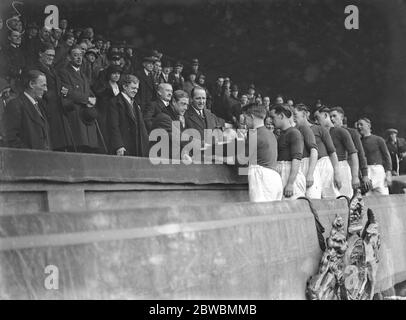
x=101, y=136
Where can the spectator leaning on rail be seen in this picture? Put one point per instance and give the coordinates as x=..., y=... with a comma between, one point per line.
x=378, y=158
x=25, y=117
x=290, y=148
x=264, y=182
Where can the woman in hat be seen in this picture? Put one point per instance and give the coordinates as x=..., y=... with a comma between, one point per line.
x=92, y=68
x=109, y=90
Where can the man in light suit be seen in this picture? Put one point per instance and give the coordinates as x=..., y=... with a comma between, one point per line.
x=25, y=118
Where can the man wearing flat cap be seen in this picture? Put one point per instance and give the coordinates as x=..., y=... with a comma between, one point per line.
x=397, y=150
x=147, y=91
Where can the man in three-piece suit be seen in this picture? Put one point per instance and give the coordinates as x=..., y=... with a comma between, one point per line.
x=82, y=118
x=198, y=117
x=57, y=106
x=25, y=118
x=164, y=94
x=128, y=135
x=146, y=91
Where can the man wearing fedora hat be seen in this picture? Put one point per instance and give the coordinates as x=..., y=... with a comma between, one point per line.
x=397, y=150
x=166, y=70
x=175, y=77
x=147, y=89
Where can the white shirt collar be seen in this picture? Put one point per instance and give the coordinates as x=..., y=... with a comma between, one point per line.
x=166, y=103
x=33, y=101
x=75, y=68
x=127, y=97
x=114, y=86
x=146, y=72
x=198, y=111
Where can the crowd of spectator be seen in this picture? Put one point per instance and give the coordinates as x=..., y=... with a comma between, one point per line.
x=72, y=90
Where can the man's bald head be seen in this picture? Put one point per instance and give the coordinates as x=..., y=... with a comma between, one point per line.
x=165, y=91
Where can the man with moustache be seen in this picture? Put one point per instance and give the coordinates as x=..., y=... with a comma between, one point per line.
x=164, y=96
x=86, y=135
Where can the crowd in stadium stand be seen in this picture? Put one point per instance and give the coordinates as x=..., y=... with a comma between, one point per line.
x=70, y=90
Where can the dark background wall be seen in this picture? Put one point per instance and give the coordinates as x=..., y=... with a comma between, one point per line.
x=297, y=48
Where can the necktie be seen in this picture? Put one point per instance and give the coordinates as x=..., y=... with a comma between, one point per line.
x=38, y=109
x=202, y=114
x=132, y=108
x=182, y=120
